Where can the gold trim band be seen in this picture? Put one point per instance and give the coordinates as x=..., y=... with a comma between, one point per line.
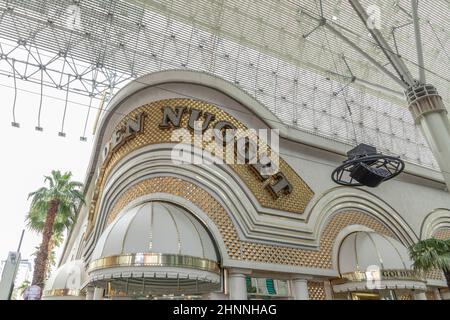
x=63, y=293
x=154, y=260
x=383, y=274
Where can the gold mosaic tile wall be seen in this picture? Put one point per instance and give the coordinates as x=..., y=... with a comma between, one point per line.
x=316, y=290
x=442, y=234
x=405, y=297
x=245, y=250
x=152, y=134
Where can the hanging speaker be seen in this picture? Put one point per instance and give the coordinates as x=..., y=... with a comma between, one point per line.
x=366, y=167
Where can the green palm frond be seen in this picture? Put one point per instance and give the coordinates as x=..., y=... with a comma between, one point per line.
x=430, y=254
x=61, y=188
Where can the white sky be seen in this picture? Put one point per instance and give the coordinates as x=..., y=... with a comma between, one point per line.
x=27, y=155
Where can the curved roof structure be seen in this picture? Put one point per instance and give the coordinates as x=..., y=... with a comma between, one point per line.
x=313, y=63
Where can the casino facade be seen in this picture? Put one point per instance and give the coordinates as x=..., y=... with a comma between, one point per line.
x=152, y=228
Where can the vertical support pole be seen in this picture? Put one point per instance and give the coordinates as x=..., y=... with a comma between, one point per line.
x=419, y=48
x=428, y=110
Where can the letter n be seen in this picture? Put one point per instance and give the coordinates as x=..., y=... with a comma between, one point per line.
x=170, y=116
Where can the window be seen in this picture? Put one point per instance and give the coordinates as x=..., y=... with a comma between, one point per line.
x=267, y=288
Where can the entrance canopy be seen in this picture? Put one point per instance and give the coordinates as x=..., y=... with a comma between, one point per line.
x=155, y=248
x=372, y=261
x=66, y=282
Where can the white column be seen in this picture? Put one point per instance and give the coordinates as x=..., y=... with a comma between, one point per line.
x=420, y=296
x=300, y=289
x=328, y=290
x=436, y=129
x=98, y=294
x=237, y=286
x=428, y=109
x=90, y=293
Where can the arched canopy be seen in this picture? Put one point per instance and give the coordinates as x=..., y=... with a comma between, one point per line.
x=360, y=250
x=66, y=282
x=372, y=261
x=155, y=248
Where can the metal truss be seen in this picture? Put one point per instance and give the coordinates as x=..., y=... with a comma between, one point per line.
x=280, y=52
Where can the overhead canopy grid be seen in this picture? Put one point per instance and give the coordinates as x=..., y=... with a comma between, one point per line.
x=313, y=63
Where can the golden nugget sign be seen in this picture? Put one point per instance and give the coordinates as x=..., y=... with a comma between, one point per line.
x=128, y=131
x=382, y=274
x=230, y=144
x=243, y=145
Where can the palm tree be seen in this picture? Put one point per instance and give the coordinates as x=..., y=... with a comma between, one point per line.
x=431, y=254
x=36, y=220
x=58, y=202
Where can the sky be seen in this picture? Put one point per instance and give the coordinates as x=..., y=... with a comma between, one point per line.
x=27, y=155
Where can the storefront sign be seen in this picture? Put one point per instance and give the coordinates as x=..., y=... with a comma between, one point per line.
x=244, y=144
x=128, y=131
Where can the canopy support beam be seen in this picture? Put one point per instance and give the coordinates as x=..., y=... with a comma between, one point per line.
x=393, y=58
x=419, y=47
x=340, y=35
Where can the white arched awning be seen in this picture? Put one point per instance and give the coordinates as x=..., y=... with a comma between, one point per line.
x=372, y=261
x=155, y=248
x=66, y=282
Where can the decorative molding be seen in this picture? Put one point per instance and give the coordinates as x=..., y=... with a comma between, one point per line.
x=436, y=220
x=346, y=198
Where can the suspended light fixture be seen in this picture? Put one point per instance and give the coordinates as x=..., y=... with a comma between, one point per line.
x=366, y=167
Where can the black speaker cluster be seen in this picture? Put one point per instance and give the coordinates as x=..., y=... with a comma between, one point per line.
x=366, y=167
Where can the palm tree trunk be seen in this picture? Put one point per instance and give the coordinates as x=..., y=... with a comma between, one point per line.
x=40, y=263
x=49, y=264
x=447, y=276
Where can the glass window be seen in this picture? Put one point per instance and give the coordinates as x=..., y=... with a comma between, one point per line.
x=267, y=288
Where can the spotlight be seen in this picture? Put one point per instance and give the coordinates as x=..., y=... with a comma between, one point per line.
x=15, y=124
x=366, y=167
x=61, y=134
x=37, y=128
x=84, y=139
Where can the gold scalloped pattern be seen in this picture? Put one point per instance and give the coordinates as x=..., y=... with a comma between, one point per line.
x=246, y=250
x=316, y=290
